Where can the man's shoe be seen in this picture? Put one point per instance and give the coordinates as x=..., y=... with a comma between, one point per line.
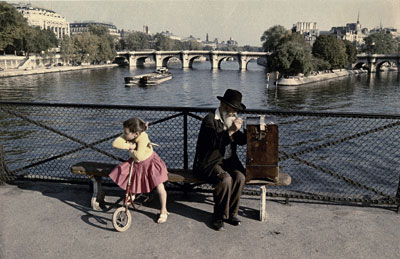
x=218, y=224
x=234, y=221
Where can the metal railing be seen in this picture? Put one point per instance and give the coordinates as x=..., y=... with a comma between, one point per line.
x=331, y=157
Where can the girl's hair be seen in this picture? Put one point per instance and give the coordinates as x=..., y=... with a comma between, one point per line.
x=135, y=125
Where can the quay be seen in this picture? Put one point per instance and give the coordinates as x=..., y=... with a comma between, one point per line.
x=44, y=70
x=54, y=220
x=301, y=80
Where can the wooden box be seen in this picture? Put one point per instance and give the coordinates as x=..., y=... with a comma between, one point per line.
x=262, y=149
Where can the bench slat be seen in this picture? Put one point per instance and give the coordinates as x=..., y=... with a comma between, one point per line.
x=104, y=169
x=174, y=175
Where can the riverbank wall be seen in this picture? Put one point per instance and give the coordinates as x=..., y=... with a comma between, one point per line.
x=29, y=62
x=45, y=70
x=301, y=80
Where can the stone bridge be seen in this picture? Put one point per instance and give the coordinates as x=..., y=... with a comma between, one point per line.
x=187, y=57
x=374, y=61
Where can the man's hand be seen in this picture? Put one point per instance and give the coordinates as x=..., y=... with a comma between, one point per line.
x=236, y=125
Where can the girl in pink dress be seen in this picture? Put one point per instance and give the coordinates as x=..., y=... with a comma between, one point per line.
x=149, y=171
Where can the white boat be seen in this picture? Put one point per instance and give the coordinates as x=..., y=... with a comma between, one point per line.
x=156, y=77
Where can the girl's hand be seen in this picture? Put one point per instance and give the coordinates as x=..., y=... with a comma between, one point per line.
x=146, y=124
x=132, y=146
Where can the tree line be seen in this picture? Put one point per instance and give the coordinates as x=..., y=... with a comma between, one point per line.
x=291, y=54
x=95, y=46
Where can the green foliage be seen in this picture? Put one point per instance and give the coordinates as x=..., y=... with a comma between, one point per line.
x=381, y=43
x=95, y=47
x=136, y=41
x=333, y=50
x=105, y=43
x=351, y=51
x=86, y=47
x=67, y=49
x=272, y=37
x=98, y=30
x=16, y=34
x=37, y=41
x=192, y=45
x=291, y=58
x=161, y=42
x=229, y=48
x=320, y=64
x=12, y=26
x=291, y=54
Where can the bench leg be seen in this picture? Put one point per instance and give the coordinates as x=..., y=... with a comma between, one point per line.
x=263, y=198
x=98, y=194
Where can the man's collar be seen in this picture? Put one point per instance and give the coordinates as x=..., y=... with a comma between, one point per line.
x=218, y=115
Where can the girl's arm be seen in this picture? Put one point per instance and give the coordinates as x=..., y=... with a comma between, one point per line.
x=122, y=143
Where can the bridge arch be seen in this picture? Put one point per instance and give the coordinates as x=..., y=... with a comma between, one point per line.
x=192, y=59
x=360, y=65
x=243, y=63
x=187, y=57
x=375, y=61
x=381, y=63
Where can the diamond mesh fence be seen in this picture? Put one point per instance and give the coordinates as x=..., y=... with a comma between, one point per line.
x=330, y=156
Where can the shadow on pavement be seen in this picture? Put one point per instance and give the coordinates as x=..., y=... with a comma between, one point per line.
x=78, y=197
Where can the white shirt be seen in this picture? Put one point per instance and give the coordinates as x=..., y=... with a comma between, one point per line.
x=228, y=148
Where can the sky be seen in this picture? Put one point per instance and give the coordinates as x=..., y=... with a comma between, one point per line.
x=243, y=21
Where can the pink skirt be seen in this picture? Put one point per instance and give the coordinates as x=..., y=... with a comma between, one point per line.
x=146, y=175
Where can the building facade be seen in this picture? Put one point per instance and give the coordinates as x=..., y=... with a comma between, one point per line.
x=171, y=35
x=80, y=27
x=44, y=19
x=351, y=32
x=309, y=30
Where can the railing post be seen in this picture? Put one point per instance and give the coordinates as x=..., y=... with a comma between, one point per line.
x=185, y=140
x=4, y=172
x=398, y=197
x=2, y=167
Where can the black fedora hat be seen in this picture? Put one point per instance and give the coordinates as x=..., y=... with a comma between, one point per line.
x=233, y=98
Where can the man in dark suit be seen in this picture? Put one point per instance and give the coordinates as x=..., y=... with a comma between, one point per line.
x=216, y=160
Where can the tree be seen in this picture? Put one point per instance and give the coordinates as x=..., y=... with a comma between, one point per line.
x=320, y=64
x=291, y=58
x=106, y=44
x=37, y=41
x=67, y=49
x=162, y=42
x=351, y=51
x=381, y=43
x=98, y=30
x=329, y=48
x=136, y=41
x=12, y=27
x=191, y=45
x=86, y=47
x=272, y=37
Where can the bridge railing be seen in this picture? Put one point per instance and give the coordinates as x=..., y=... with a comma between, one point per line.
x=330, y=156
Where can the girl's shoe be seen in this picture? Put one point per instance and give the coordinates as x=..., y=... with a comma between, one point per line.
x=163, y=218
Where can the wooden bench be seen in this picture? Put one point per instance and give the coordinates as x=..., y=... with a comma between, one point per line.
x=96, y=171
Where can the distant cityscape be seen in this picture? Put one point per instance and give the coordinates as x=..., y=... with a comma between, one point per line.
x=48, y=19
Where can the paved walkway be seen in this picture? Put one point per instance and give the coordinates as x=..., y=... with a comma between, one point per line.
x=53, y=220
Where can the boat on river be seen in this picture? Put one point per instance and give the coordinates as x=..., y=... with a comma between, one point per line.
x=160, y=75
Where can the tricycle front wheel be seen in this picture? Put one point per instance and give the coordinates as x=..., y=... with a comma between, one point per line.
x=122, y=219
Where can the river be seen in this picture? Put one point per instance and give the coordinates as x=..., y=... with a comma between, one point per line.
x=199, y=86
